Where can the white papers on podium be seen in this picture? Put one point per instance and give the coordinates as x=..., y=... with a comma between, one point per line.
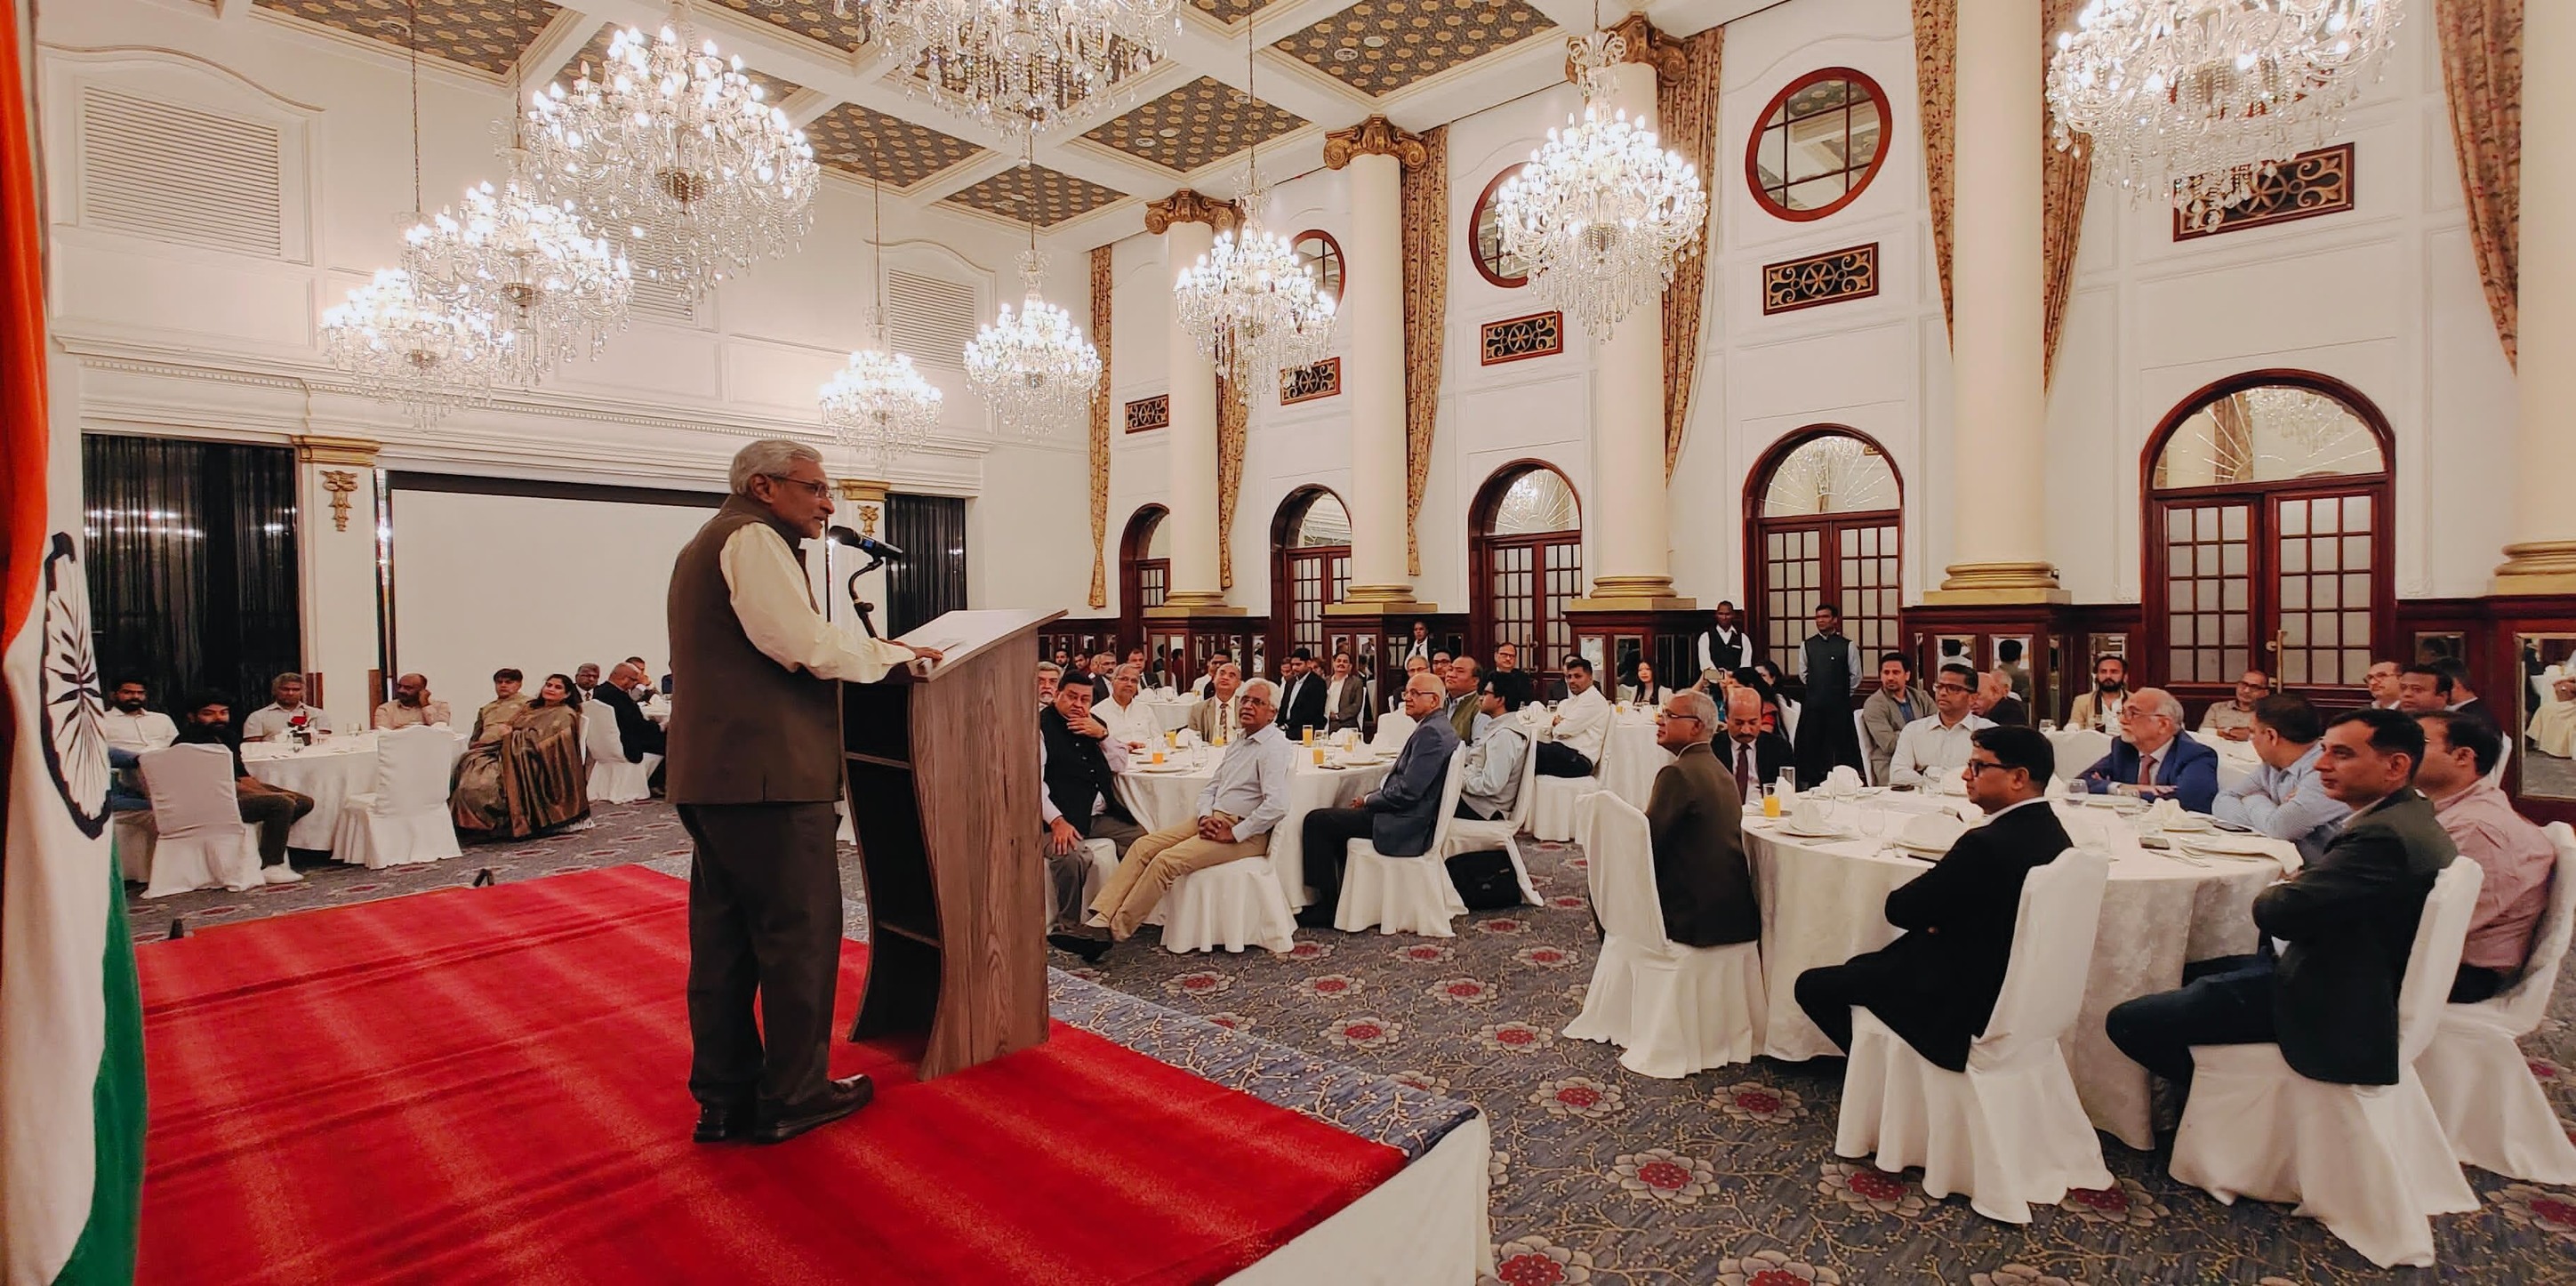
x=959, y=635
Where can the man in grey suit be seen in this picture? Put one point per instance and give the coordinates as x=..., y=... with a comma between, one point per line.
x=1398, y=817
x=2345, y=922
x=1345, y=695
x=1898, y=702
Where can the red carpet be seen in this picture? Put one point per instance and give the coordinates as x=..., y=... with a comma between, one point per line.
x=489, y=1085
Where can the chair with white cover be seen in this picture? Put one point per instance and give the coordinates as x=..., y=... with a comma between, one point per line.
x=612, y=779
x=200, y=840
x=1236, y=905
x=404, y=819
x=2504, y=756
x=1673, y=1010
x=1469, y=836
x=1392, y=732
x=2008, y=1131
x=1552, y=812
x=2496, y=1116
x=130, y=839
x=2369, y=1161
x=1861, y=727
x=1405, y=894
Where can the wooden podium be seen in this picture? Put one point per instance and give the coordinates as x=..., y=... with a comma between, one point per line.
x=943, y=789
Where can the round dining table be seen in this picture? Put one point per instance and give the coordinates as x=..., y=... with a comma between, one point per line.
x=1171, y=714
x=326, y=772
x=1824, y=901
x=1170, y=797
x=1632, y=758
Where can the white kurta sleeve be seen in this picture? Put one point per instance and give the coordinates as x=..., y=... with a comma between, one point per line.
x=770, y=600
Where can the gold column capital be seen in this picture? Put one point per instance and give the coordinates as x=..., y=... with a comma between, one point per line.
x=329, y=450
x=870, y=497
x=1376, y=136
x=1190, y=206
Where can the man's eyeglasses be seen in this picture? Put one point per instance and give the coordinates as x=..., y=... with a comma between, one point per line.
x=1976, y=766
x=1949, y=687
x=1670, y=715
x=819, y=488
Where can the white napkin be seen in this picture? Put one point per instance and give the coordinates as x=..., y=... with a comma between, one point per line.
x=1843, y=780
x=2163, y=813
x=2055, y=791
x=2234, y=845
x=1932, y=832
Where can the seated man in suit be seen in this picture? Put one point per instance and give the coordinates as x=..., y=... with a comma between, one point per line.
x=2152, y=759
x=1997, y=701
x=638, y=735
x=1507, y=669
x=1752, y=757
x=1490, y=780
x=1301, y=695
x=1398, y=817
x=1236, y=812
x=1898, y=702
x=1463, y=678
x=2344, y=926
x=1697, y=823
x=2460, y=749
x=1571, y=744
x=2099, y=707
x=1345, y=695
x=1215, y=717
x=1936, y=986
x=1078, y=796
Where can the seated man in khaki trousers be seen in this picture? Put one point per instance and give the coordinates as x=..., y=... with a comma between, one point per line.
x=1236, y=812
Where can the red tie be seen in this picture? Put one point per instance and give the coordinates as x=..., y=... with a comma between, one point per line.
x=1743, y=771
x=2146, y=770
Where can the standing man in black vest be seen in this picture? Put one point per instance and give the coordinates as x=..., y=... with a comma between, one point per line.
x=755, y=767
x=1828, y=661
x=1724, y=646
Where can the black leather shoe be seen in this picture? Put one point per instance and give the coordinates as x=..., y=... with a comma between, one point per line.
x=1318, y=916
x=722, y=1122
x=1090, y=945
x=839, y=1099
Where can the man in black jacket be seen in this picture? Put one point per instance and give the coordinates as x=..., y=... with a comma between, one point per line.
x=1936, y=986
x=2346, y=923
x=637, y=735
x=1301, y=697
x=1078, y=797
x=1751, y=756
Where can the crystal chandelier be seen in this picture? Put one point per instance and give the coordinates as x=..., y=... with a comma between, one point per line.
x=1035, y=369
x=877, y=405
x=2202, y=99
x=404, y=343
x=1026, y=67
x=671, y=145
x=1603, y=211
x=1254, y=307
x=552, y=289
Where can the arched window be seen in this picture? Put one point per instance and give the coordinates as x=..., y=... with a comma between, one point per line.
x=1526, y=547
x=2268, y=536
x=1310, y=544
x=1826, y=511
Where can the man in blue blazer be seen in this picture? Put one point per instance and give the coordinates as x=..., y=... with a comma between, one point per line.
x=1398, y=817
x=2152, y=758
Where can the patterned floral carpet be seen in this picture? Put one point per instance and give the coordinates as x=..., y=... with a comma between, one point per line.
x=1601, y=1176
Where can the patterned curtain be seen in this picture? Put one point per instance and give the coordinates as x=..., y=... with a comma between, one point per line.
x=2065, y=177
x=2482, y=80
x=1100, y=284
x=1426, y=306
x=1688, y=107
x=932, y=582
x=1936, y=54
x=1233, y=419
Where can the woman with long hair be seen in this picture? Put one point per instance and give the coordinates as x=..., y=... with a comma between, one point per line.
x=529, y=778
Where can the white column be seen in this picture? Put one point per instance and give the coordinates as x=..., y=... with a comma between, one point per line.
x=2540, y=555
x=1999, y=411
x=1187, y=223
x=1626, y=512
x=1374, y=153
x=335, y=538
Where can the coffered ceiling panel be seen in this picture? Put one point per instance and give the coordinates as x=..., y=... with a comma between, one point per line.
x=1202, y=121
x=1230, y=11
x=852, y=138
x=812, y=19
x=1380, y=46
x=484, y=34
x=773, y=91
x=1021, y=190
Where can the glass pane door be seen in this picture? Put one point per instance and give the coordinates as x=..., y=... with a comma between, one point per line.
x=2208, y=586
x=2324, y=558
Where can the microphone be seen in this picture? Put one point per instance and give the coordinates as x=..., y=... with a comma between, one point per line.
x=868, y=544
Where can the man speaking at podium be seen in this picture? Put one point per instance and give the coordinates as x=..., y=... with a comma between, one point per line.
x=755, y=766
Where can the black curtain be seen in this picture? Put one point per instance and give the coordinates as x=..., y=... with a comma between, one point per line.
x=931, y=576
x=192, y=568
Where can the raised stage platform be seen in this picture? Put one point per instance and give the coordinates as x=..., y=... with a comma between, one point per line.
x=488, y=1085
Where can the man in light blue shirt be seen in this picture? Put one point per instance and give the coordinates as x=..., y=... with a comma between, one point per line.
x=1236, y=813
x=2283, y=799
x=1489, y=783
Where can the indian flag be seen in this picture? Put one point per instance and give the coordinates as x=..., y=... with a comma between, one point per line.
x=71, y=1040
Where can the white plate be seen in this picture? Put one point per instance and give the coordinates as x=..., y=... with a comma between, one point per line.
x=1916, y=850
x=2189, y=823
x=1159, y=769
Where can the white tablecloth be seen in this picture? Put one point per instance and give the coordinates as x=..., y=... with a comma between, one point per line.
x=1173, y=714
x=1824, y=902
x=1171, y=798
x=1634, y=759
